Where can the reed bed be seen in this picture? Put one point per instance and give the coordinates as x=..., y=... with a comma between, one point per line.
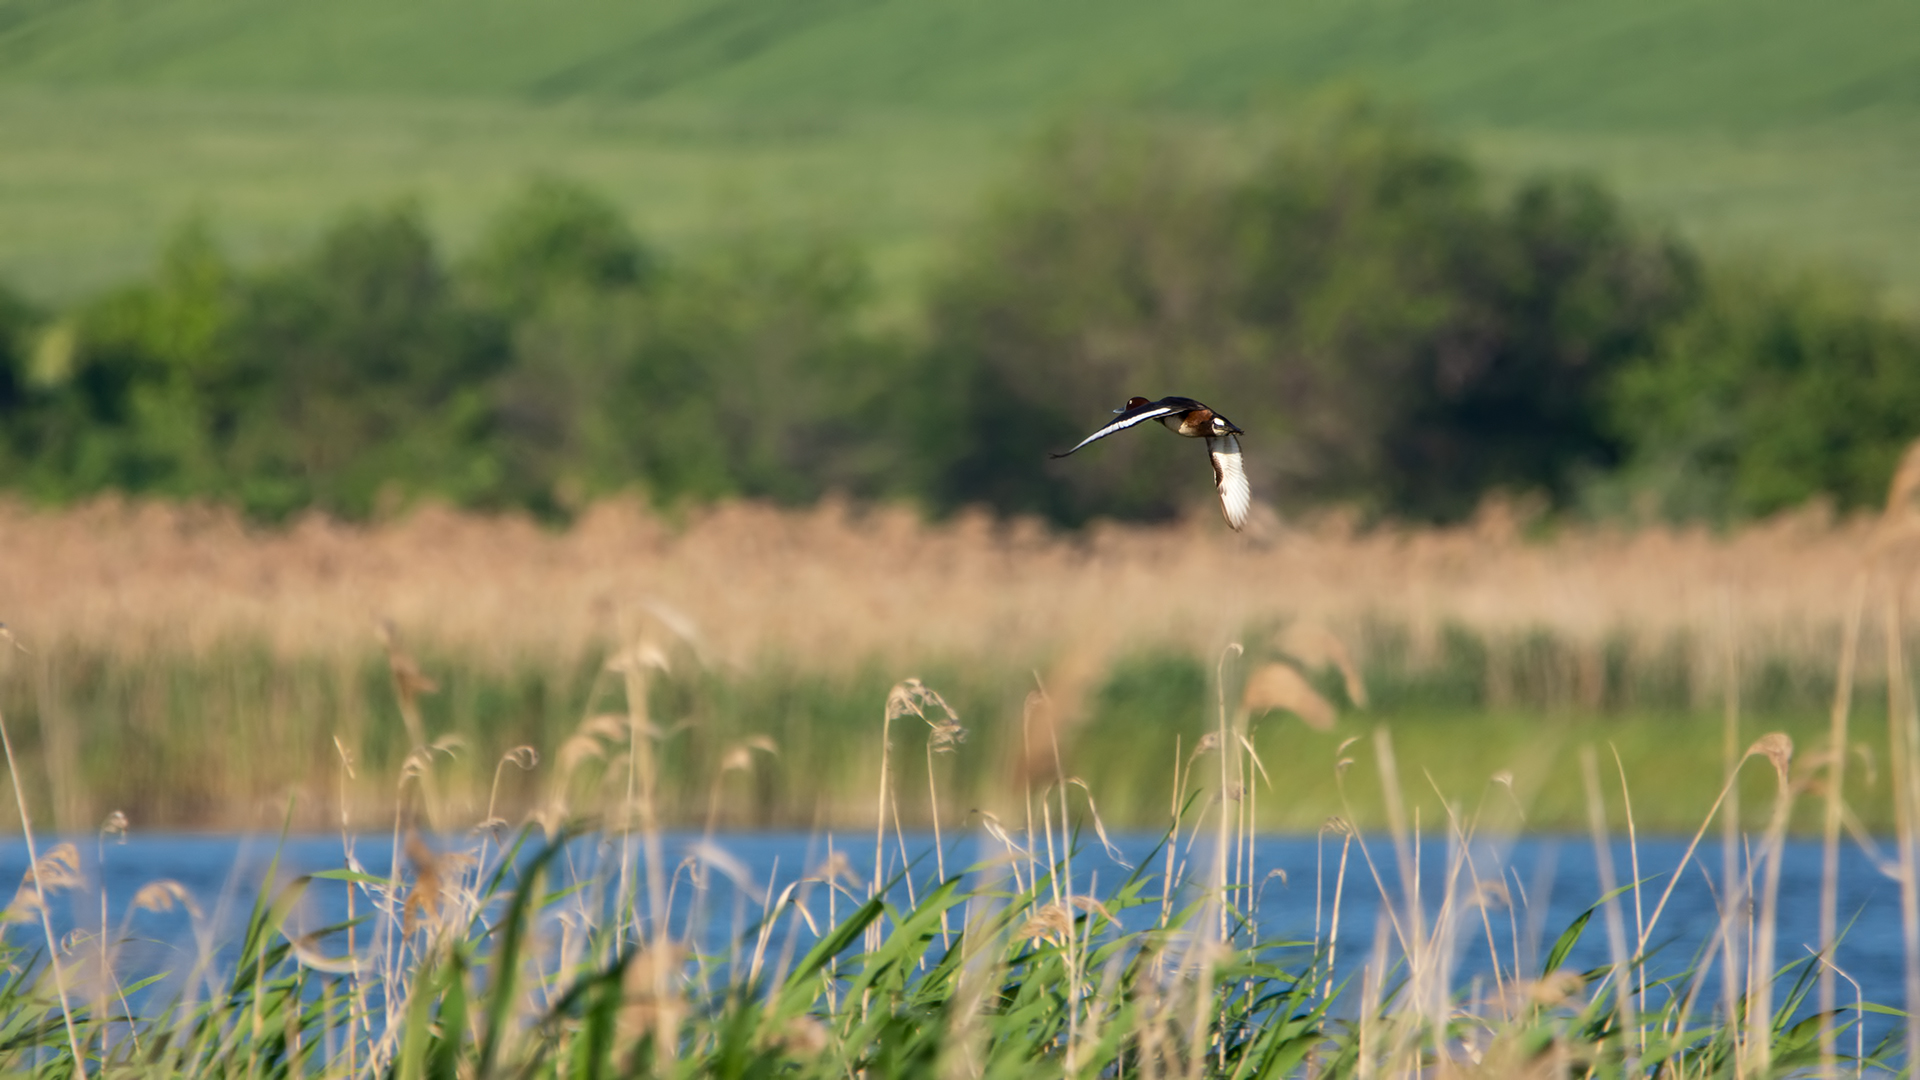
x=175, y=664
x=837, y=585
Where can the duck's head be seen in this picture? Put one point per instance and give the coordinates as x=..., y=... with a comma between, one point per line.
x=1220, y=425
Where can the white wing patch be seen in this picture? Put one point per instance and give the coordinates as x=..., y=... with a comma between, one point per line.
x=1124, y=423
x=1230, y=477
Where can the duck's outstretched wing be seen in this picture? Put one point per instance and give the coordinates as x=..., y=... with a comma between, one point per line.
x=1230, y=478
x=1139, y=414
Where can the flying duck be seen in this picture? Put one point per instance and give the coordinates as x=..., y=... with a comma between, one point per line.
x=1185, y=416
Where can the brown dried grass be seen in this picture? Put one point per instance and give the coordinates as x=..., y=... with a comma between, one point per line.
x=835, y=585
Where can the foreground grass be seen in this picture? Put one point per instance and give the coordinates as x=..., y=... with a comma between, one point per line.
x=555, y=953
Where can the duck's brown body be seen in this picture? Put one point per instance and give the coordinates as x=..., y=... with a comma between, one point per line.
x=1197, y=424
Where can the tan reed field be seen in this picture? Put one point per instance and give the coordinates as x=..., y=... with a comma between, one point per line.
x=836, y=586
x=178, y=663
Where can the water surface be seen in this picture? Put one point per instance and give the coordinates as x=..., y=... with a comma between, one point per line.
x=1550, y=881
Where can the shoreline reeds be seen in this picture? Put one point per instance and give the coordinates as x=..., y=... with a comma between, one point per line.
x=165, y=658
x=541, y=957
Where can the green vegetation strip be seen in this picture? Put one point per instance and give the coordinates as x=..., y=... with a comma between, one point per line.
x=220, y=741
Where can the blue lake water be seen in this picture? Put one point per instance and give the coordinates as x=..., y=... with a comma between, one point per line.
x=1550, y=881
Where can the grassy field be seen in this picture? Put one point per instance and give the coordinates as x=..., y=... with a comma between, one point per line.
x=1753, y=124
x=176, y=655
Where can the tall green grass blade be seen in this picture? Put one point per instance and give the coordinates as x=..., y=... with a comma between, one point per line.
x=1570, y=937
x=452, y=1039
x=417, y=1036
x=509, y=952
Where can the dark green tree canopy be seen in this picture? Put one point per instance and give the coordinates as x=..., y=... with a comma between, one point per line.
x=554, y=236
x=1388, y=327
x=1773, y=391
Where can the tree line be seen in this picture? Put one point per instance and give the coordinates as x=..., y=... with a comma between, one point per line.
x=1395, y=330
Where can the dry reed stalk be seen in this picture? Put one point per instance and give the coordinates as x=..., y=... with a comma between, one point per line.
x=1484, y=892
x=1778, y=749
x=35, y=873
x=1227, y=747
x=1405, y=850
x=1372, y=1017
x=1426, y=953
x=1633, y=853
x=900, y=844
x=1731, y=758
x=736, y=758
x=1904, y=750
x=1836, y=773
x=1065, y=873
x=1388, y=913
x=882, y=796
x=913, y=697
x=1735, y=896
x=635, y=665
x=1621, y=976
x=356, y=1002
x=1725, y=798
x=409, y=683
x=1339, y=886
x=1170, y=849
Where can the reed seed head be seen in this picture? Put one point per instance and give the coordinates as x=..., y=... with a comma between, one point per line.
x=165, y=895
x=56, y=871
x=1558, y=987
x=1275, y=685
x=408, y=680
x=1317, y=647
x=641, y=656
x=835, y=868
x=1776, y=747
x=435, y=885
x=1050, y=922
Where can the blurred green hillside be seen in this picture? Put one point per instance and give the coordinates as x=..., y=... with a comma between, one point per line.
x=1747, y=123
